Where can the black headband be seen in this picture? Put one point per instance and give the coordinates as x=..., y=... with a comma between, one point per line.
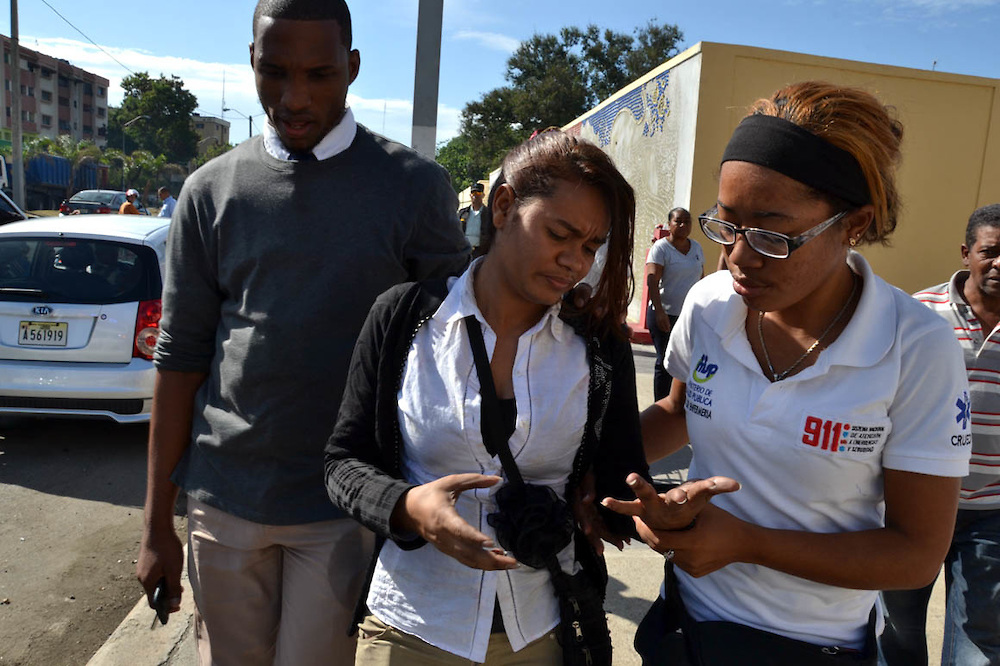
x=785, y=147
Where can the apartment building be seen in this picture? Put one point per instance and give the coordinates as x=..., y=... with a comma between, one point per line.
x=211, y=131
x=56, y=98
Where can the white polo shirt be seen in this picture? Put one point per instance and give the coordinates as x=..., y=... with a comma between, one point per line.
x=890, y=392
x=680, y=272
x=424, y=592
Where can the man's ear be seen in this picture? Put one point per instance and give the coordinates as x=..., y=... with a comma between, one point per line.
x=251, y=55
x=353, y=65
x=965, y=255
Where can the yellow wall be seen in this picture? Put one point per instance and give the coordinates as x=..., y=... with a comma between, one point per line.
x=951, y=146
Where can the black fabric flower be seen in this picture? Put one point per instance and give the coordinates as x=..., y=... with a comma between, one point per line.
x=533, y=523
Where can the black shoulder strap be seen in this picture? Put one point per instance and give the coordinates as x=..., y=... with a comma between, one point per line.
x=491, y=419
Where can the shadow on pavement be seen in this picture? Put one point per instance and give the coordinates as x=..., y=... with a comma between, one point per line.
x=93, y=460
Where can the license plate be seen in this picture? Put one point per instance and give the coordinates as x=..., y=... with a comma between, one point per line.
x=43, y=333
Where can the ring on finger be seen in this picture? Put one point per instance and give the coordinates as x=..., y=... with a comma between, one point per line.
x=669, y=555
x=685, y=498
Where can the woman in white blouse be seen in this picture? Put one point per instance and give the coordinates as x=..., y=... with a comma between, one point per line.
x=408, y=457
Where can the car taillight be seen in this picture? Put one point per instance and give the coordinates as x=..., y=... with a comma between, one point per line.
x=103, y=210
x=64, y=208
x=147, y=329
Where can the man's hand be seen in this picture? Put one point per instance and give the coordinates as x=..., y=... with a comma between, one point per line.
x=675, y=509
x=429, y=510
x=662, y=321
x=161, y=555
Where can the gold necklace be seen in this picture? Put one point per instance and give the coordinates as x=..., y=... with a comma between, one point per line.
x=777, y=377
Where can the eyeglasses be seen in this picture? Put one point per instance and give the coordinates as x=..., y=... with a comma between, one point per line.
x=768, y=243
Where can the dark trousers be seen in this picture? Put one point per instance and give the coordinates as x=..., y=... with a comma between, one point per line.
x=904, y=641
x=972, y=618
x=661, y=378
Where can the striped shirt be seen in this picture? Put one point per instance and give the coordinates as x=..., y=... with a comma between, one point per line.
x=981, y=488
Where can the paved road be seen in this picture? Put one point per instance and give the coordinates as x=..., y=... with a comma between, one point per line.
x=71, y=495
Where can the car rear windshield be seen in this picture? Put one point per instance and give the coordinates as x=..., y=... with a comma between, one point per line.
x=97, y=196
x=77, y=271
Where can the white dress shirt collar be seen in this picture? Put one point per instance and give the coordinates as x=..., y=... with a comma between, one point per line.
x=335, y=142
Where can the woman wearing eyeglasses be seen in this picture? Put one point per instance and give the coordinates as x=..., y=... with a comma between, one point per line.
x=834, y=398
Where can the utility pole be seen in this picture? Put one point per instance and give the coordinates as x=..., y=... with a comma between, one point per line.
x=16, y=135
x=249, y=118
x=425, y=82
x=124, y=126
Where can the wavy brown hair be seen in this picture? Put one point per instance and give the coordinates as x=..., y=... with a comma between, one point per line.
x=853, y=120
x=533, y=168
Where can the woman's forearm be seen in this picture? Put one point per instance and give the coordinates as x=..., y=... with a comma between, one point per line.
x=905, y=554
x=664, y=427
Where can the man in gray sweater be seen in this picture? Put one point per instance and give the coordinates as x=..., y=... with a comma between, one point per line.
x=276, y=252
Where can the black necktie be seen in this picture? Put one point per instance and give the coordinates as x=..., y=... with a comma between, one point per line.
x=305, y=156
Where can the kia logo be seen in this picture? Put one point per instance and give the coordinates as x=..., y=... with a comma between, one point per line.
x=41, y=310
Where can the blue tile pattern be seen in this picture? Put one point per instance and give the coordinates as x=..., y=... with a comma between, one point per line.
x=648, y=104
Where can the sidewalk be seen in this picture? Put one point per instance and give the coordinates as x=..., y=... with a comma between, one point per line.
x=635, y=576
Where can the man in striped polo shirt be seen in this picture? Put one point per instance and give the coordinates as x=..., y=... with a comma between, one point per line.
x=970, y=301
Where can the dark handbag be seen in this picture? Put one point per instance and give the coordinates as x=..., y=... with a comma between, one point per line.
x=532, y=523
x=668, y=635
x=535, y=524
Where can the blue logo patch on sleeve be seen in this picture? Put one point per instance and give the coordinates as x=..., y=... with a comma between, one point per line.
x=964, y=410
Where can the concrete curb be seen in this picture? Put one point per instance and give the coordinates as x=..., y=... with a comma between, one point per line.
x=134, y=642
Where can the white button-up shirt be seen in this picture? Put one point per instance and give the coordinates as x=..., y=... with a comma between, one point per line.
x=424, y=592
x=809, y=450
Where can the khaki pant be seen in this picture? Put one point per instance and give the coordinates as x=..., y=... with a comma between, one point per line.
x=381, y=645
x=274, y=595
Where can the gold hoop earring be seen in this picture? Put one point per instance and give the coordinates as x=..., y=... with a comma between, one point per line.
x=854, y=241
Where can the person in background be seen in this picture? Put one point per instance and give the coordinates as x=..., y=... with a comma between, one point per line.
x=970, y=303
x=168, y=202
x=273, y=262
x=830, y=395
x=674, y=264
x=475, y=219
x=128, y=206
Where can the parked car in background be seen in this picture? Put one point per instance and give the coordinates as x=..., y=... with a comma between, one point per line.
x=97, y=201
x=9, y=212
x=79, y=315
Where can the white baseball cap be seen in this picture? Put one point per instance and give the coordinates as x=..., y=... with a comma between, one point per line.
x=131, y=193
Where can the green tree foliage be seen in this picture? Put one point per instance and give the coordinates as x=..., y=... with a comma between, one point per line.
x=168, y=129
x=552, y=79
x=213, y=151
x=143, y=169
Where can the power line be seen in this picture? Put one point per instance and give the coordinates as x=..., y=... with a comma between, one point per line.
x=86, y=37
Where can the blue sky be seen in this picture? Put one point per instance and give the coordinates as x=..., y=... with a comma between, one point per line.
x=204, y=41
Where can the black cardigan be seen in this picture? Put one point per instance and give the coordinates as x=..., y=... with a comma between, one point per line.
x=363, y=456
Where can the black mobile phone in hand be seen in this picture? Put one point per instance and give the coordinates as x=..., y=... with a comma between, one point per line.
x=160, y=602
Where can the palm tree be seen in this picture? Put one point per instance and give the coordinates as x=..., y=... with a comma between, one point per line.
x=78, y=154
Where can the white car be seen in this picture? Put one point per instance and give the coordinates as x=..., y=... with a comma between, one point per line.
x=79, y=315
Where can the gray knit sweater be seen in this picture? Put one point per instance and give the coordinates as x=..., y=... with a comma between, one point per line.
x=272, y=267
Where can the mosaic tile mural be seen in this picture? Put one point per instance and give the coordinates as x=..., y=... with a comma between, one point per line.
x=635, y=130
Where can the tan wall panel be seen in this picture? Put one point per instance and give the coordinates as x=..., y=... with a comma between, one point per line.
x=950, y=161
